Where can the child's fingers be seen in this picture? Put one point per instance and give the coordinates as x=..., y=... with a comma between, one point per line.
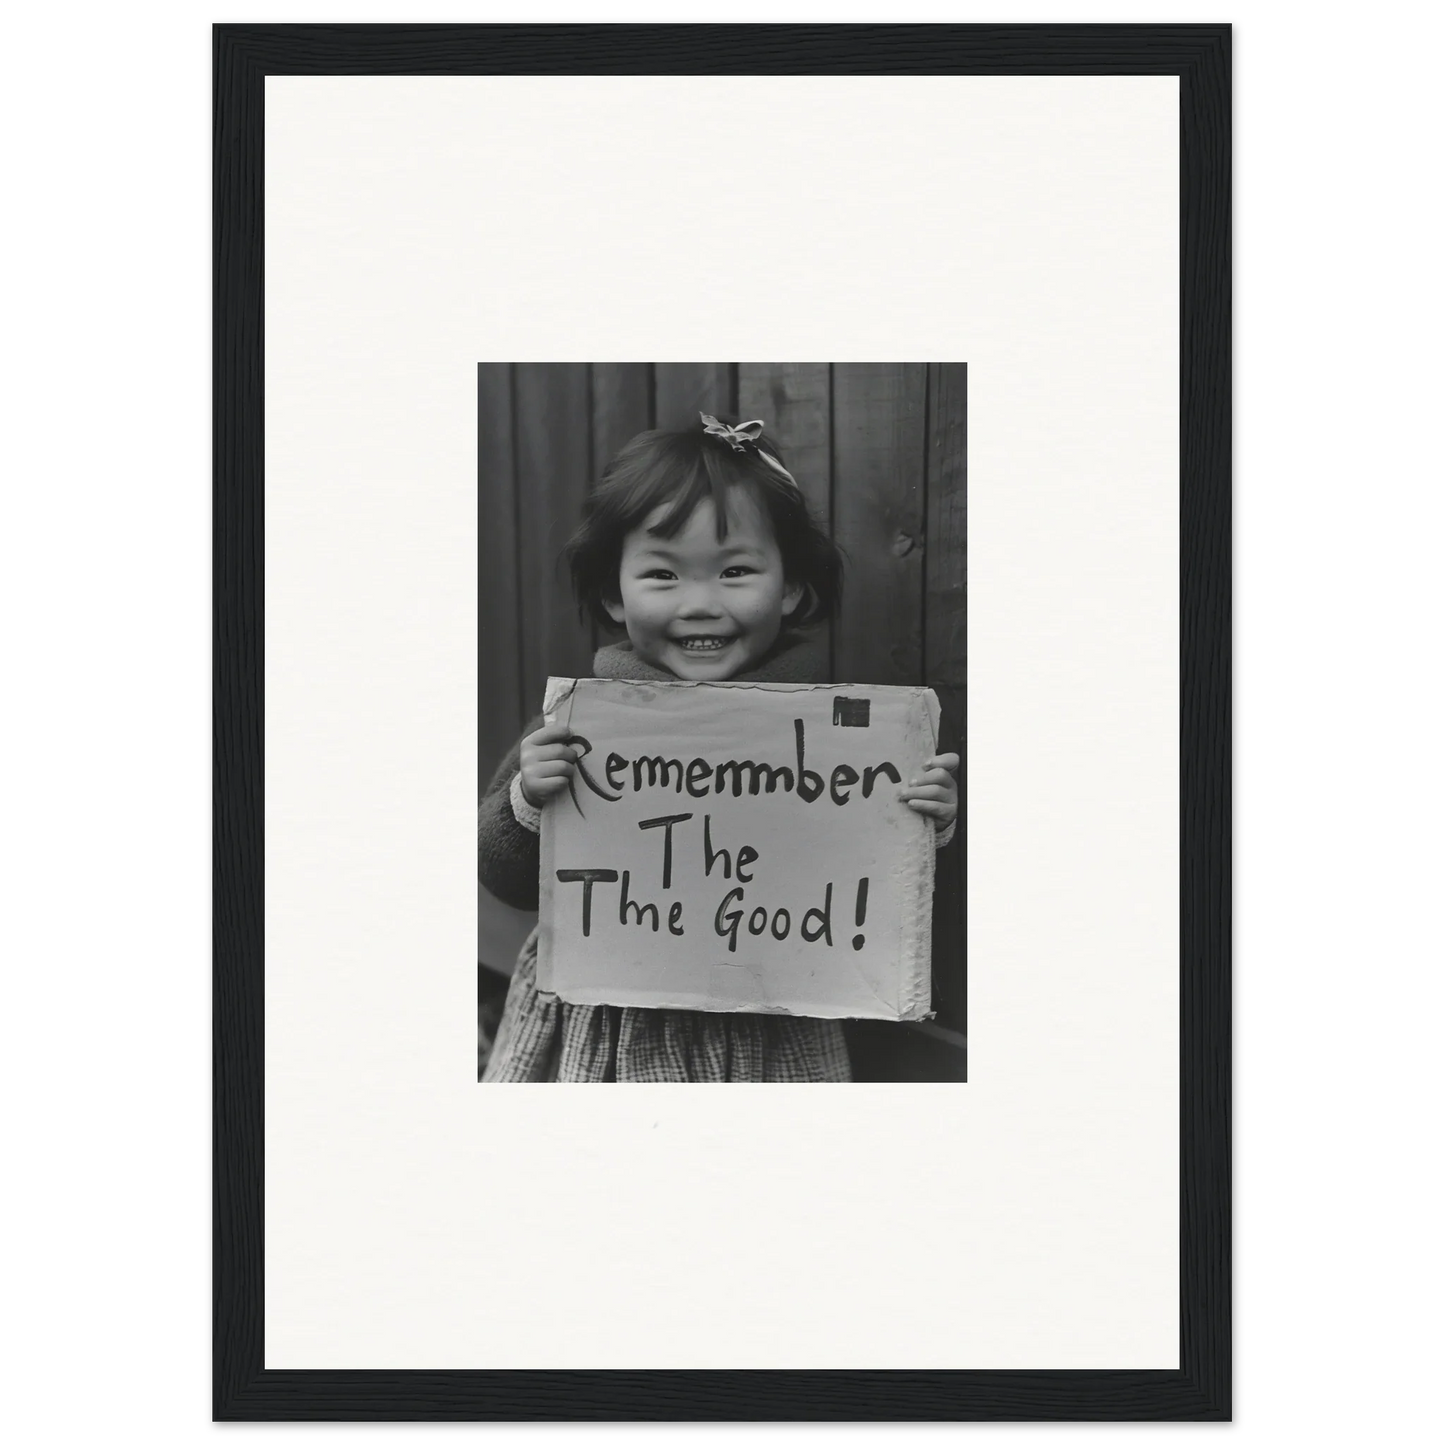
x=948, y=761
x=552, y=753
x=562, y=768
x=934, y=777
x=935, y=792
x=933, y=809
x=539, y=779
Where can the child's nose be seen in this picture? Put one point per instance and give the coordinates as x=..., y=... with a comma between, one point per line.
x=699, y=600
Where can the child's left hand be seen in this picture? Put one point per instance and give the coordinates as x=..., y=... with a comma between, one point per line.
x=935, y=790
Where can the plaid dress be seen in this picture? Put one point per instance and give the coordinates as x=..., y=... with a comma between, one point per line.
x=543, y=1039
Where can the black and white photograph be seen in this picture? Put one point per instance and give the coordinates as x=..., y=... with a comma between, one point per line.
x=722, y=682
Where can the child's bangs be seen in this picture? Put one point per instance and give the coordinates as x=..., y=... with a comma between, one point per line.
x=711, y=473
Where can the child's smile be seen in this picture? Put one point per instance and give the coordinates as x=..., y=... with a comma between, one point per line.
x=701, y=608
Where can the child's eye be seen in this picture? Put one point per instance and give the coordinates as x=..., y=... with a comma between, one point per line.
x=659, y=574
x=739, y=571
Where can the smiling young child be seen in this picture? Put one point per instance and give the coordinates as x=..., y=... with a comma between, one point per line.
x=698, y=544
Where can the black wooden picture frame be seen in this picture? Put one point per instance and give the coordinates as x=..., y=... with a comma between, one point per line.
x=243, y=1389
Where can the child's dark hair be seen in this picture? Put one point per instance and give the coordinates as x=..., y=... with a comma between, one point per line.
x=681, y=468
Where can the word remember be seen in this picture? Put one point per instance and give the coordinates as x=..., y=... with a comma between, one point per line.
x=700, y=778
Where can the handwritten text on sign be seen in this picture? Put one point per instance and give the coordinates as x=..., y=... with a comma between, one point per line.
x=740, y=847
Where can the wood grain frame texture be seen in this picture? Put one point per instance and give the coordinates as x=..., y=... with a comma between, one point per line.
x=1200, y=1390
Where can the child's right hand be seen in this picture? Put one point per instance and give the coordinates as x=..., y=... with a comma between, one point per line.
x=549, y=763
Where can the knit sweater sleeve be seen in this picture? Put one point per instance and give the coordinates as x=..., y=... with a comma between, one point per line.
x=507, y=853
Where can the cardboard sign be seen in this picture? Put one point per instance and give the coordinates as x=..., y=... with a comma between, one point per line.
x=740, y=847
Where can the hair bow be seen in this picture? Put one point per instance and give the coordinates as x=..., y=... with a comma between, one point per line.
x=743, y=435
x=735, y=436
